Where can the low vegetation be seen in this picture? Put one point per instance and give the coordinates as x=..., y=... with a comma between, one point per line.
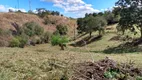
x=29, y=34
x=62, y=29
x=59, y=40
x=59, y=57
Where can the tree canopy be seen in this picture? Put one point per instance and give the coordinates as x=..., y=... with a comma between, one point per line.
x=131, y=15
x=90, y=24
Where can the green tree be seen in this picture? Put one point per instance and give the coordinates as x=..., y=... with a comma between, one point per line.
x=42, y=12
x=112, y=17
x=59, y=40
x=80, y=23
x=86, y=24
x=131, y=15
x=95, y=14
x=90, y=24
x=101, y=23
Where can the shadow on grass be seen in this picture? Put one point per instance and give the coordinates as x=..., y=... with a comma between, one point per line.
x=81, y=35
x=97, y=51
x=85, y=41
x=129, y=47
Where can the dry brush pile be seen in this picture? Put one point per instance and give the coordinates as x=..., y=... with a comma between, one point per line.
x=106, y=69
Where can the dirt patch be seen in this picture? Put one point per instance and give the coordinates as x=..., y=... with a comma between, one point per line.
x=105, y=69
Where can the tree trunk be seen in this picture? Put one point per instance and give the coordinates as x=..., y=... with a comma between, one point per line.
x=123, y=32
x=62, y=46
x=99, y=32
x=90, y=34
x=141, y=32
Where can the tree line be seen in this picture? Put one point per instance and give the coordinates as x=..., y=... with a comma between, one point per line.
x=128, y=15
x=98, y=21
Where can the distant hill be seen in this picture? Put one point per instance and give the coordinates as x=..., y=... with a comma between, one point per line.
x=6, y=20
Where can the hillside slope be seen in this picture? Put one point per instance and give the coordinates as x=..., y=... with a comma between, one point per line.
x=6, y=20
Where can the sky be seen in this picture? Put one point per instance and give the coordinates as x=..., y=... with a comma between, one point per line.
x=69, y=8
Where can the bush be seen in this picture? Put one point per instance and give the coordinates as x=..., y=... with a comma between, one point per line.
x=23, y=39
x=5, y=32
x=55, y=40
x=46, y=37
x=33, y=41
x=62, y=29
x=19, y=41
x=56, y=32
x=47, y=21
x=38, y=30
x=5, y=37
x=59, y=40
x=31, y=29
x=14, y=42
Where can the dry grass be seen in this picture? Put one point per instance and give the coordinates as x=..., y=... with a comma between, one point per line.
x=25, y=63
x=45, y=51
x=7, y=19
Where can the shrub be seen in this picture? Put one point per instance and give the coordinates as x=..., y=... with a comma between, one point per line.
x=46, y=37
x=5, y=37
x=19, y=41
x=59, y=40
x=31, y=29
x=5, y=32
x=38, y=30
x=62, y=29
x=23, y=39
x=14, y=42
x=47, y=21
x=35, y=40
x=56, y=32
x=55, y=40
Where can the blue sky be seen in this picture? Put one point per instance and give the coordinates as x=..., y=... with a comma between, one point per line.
x=70, y=8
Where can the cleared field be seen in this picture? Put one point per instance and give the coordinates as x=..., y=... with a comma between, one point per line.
x=30, y=62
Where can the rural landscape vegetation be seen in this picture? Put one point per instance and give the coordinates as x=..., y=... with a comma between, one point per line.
x=47, y=45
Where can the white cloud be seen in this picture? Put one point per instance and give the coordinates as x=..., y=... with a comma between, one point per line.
x=14, y=9
x=6, y=8
x=3, y=8
x=76, y=7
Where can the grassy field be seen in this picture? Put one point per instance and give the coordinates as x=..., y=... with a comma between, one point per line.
x=30, y=63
